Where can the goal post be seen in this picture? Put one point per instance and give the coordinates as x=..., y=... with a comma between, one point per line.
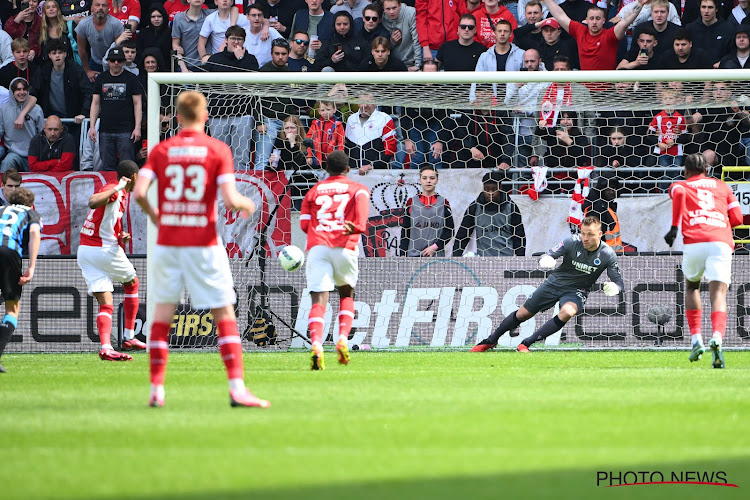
x=583, y=132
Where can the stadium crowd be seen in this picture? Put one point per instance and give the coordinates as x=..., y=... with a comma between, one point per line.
x=70, y=64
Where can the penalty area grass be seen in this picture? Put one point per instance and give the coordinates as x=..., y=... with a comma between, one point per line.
x=389, y=425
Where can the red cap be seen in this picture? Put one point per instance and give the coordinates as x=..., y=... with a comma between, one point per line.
x=550, y=22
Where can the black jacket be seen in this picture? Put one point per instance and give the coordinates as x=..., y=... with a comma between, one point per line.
x=355, y=50
x=78, y=88
x=392, y=64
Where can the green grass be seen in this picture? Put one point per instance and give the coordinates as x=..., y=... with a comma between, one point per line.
x=390, y=425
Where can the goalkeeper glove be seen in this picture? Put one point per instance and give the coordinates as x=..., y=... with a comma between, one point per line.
x=547, y=263
x=611, y=289
x=121, y=185
x=671, y=235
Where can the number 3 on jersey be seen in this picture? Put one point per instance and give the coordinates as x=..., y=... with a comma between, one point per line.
x=177, y=174
x=331, y=212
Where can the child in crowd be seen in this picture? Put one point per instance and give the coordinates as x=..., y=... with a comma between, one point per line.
x=327, y=134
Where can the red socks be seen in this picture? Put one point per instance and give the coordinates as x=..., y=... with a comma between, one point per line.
x=719, y=322
x=346, y=316
x=230, y=347
x=694, y=320
x=158, y=351
x=315, y=322
x=130, y=306
x=104, y=323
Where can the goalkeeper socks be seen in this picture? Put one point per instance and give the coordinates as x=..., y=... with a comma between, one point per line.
x=7, y=327
x=719, y=322
x=315, y=322
x=547, y=329
x=230, y=347
x=158, y=351
x=346, y=316
x=104, y=323
x=694, y=321
x=130, y=309
x=509, y=323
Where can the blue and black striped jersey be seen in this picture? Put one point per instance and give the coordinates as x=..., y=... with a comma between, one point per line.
x=15, y=221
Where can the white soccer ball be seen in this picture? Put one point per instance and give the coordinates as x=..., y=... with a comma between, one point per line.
x=291, y=258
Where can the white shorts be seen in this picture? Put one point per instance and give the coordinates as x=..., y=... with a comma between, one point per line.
x=204, y=270
x=103, y=265
x=712, y=258
x=327, y=267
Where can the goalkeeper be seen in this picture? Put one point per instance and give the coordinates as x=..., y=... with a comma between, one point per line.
x=585, y=257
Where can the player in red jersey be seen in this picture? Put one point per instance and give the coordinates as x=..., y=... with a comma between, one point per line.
x=707, y=210
x=102, y=260
x=189, y=168
x=334, y=214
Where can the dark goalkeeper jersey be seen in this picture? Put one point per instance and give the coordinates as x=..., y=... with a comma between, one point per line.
x=580, y=268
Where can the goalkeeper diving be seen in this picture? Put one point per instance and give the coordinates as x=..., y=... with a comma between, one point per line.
x=585, y=258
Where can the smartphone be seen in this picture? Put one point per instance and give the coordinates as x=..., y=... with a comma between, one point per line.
x=644, y=52
x=339, y=47
x=144, y=144
x=24, y=5
x=129, y=27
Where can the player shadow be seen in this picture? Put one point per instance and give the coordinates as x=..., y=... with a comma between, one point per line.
x=533, y=484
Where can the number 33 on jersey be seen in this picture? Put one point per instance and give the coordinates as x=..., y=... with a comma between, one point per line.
x=328, y=205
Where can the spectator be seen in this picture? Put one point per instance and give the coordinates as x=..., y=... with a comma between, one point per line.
x=487, y=18
x=54, y=27
x=485, y=135
x=20, y=65
x=27, y=25
x=10, y=180
x=64, y=89
x=617, y=153
x=317, y=22
x=503, y=56
x=668, y=125
x=91, y=160
x=691, y=10
x=343, y=51
x=354, y=7
x=641, y=56
x=255, y=43
x=280, y=13
x=495, y=219
x=370, y=137
x=381, y=59
x=153, y=63
x=174, y=7
x=739, y=12
x=186, y=29
x=327, y=134
x=6, y=53
x=597, y=45
x=664, y=29
x=289, y=153
x=427, y=223
x=553, y=45
x=297, y=61
x=17, y=140
x=128, y=12
x=128, y=47
x=602, y=203
x=215, y=26
x=437, y=23
x=279, y=56
x=230, y=118
x=401, y=21
x=529, y=35
x=53, y=149
x=155, y=32
x=120, y=127
x=522, y=4
x=711, y=32
x=97, y=31
x=683, y=56
x=738, y=58
x=462, y=54
x=524, y=98
x=370, y=26
x=646, y=14
x=566, y=145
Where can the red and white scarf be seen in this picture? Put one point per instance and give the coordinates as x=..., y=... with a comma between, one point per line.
x=554, y=98
x=580, y=192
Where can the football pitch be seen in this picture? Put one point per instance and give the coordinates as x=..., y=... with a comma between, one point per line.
x=389, y=425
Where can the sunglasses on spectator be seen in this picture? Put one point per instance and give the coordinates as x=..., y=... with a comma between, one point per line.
x=301, y=42
x=466, y=26
x=370, y=18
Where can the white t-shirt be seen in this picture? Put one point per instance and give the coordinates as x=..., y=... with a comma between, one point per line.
x=260, y=49
x=214, y=29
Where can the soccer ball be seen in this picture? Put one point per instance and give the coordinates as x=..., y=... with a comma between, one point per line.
x=291, y=258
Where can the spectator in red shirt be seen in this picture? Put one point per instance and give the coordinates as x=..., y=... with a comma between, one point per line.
x=437, y=23
x=597, y=46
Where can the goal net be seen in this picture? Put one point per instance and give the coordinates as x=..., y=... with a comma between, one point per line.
x=556, y=145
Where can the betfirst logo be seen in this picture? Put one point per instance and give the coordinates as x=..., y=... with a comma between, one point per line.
x=610, y=479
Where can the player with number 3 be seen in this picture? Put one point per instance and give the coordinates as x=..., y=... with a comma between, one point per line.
x=334, y=214
x=190, y=168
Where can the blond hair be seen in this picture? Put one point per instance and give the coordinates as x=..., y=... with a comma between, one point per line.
x=191, y=106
